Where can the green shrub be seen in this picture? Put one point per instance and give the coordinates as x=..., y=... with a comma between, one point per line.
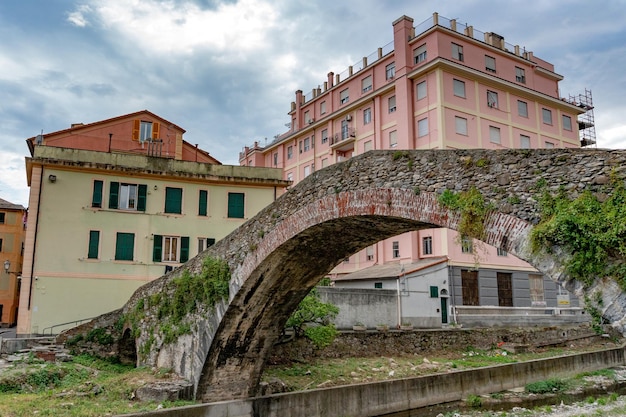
x=474, y=401
x=548, y=386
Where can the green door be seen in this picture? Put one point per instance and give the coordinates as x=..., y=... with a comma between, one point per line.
x=444, y=310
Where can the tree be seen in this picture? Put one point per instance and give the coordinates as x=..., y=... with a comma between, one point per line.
x=312, y=319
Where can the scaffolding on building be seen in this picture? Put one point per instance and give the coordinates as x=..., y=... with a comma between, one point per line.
x=586, y=122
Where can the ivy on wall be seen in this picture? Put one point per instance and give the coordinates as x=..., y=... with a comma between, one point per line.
x=592, y=231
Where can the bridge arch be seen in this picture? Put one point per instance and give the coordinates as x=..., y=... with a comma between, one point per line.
x=279, y=255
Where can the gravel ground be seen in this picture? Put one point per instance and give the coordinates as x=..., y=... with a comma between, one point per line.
x=615, y=408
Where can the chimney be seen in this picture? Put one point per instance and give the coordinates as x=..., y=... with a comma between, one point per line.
x=330, y=79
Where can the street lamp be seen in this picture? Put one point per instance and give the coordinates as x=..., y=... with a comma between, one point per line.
x=7, y=266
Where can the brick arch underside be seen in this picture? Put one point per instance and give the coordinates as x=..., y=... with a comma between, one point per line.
x=300, y=250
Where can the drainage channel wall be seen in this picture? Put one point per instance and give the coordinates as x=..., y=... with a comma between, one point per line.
x=375, y=399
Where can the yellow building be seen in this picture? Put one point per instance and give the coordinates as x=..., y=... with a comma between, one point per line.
x=12, y=232
x=101, y=224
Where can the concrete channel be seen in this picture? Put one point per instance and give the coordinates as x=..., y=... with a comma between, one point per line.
x=379, y=398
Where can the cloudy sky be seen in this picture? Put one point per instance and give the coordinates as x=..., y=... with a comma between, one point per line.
x=227, y=70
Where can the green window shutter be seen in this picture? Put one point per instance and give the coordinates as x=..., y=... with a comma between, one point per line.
x=141, y=197
x=96, y=198
x=173, y=200
x=157, y=250
x=202, y=203
x=184, y=248
x=94, y=242
x=434, y=292
x=236, y=205
x=114, y=192
x=124, y=246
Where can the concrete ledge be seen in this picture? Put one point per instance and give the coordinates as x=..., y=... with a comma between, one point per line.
x=374, y=399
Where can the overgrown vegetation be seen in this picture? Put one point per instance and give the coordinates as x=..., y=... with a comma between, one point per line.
x=552, y=385
x=473, y=210
x=182, y=296
x=84, y=387
x=313, y=319
x=593, y=232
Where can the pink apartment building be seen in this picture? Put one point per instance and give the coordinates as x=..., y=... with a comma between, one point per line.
x=438, y=85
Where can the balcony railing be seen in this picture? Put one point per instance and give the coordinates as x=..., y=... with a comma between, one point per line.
x=340, y=137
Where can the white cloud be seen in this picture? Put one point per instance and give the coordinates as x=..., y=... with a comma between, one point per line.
x=165, y=27
x=78, y=17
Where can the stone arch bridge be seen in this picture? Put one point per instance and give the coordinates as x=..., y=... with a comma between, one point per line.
x=277, y=257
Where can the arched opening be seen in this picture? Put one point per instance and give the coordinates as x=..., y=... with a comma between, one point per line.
x=127, y=349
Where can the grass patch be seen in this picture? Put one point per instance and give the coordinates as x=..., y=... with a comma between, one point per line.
x=87, y=386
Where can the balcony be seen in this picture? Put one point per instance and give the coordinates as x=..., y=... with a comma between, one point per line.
x=343, y=141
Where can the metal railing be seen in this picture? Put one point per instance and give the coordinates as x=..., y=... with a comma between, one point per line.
x=75, y=323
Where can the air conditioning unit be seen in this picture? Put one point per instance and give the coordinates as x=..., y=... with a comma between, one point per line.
x=348, y=118
x=311, y=121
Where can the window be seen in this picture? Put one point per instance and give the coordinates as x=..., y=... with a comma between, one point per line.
x=393, y=140
x=490, y=63
x=467, y=245
x=396, y=249
x=492, y=99
x=307, y=171
x=289, y=152
x=367, y=116
x=145, y=131
x=460, y=124
x=300, y=146
x=324, y=135
x=201, y=244
x=392, y=104
x=170, y=249
x=96, y=198
x=323, y=107
x=524, y=142
x=367, y=146
x=236, y=205
x=494, y=134
x=307, y=144
x=547, y=116
x=434, y=291
x=124, y=246
x=419, y=54
x=549, y=145
x=459, y=88
x=203, y=198
x=427, y=245
x=522, y=108
x=536, y=290
x=344, y=129
x=275, y=156
x=290, y=176
x=173, y=200
x=390, y=71
x=421, y=90
x=505, y=289
x=324, y=162
x=0, y=245
x=366, y=84
x=94, y=244
x=369, y=253
x=2, y=218
x=127, y=196
x=502, y=252
x=457, y=52
x=520, y=75
x=307, y=117
x=422, y=127
x=378, y=285
x=567, y=122
x=344, y=97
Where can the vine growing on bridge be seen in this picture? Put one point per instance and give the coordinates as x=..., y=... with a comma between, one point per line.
x=473, y=210
x=592, y=231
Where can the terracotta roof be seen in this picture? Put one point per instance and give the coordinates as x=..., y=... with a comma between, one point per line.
x=79, y=126
x=6, y=205
x=392, y=270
